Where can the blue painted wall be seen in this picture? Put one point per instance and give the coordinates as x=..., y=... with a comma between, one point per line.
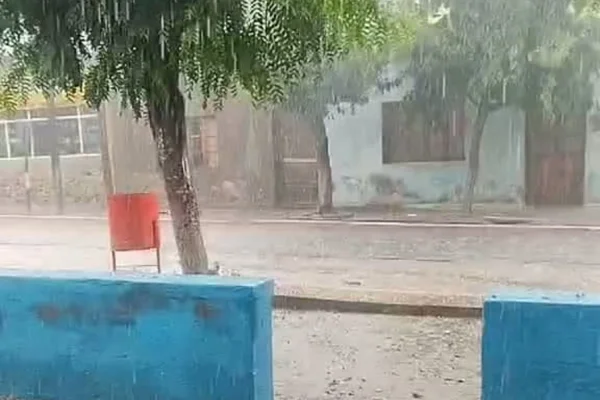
x=541, y=347
x=69, y=337
x=356, y=157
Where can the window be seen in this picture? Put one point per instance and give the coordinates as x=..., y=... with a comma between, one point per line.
x=194, y=133
x=30, y=132
x=203, y=140
x=91, y=132
x=416, y=140
x=3, y=143
x=65, y=133
x=19, y=139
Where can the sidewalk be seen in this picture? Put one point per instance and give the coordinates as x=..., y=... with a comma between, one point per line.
x=483, y=214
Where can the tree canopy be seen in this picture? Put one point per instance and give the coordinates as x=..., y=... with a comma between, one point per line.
x=136, y=48
x=536, y=55
x=486, y=51
x=351, y=78
x=145, y=50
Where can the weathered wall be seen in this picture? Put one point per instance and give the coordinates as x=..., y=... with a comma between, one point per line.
x=244, y=153
x=245, y=158
x=592, y=161
x=82, y=178
x=356, y=157
x=593, y=167
x=73, y=337
x=541, y=347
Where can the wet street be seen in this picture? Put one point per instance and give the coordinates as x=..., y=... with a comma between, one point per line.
x=364, y=357
x=459, y=260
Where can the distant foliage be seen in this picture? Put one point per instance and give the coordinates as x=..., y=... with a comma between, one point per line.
x=351, y=79
x=494, y=51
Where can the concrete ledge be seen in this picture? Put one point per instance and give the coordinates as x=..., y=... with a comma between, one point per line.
x=377, y=302
x=73, y=337
x=541, y=346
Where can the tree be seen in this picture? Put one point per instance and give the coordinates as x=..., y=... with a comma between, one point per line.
x=143, y=50
x=489, y=55
x=347, y=81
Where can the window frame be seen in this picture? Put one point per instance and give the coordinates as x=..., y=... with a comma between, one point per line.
x=392, y=136
x=79, y=117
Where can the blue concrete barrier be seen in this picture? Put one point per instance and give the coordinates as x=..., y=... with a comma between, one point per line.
x=541, y=347
x=72, y=337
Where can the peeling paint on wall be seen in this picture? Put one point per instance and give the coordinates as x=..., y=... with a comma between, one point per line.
x=356, y=156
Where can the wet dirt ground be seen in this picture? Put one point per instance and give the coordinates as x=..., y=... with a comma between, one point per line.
x=322, y=356
x=441, y=260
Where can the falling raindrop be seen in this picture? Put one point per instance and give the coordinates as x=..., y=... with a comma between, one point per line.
x=127, y=11
x=208, y=28
x=504, y=91
x=62, y=62
x=162, y=37
x=443, y=85
x=83, y=9
x=108, y=24
x=234, y=56
x=116, y=9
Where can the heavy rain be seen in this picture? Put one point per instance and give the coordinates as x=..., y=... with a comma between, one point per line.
x=417, y=179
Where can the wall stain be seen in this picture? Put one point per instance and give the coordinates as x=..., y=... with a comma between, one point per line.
x=137, y=300
x=142, y=298
x=48, y=313
x=203, y=310
x=129, y=305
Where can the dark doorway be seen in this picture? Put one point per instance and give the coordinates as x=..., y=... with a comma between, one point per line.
x=555, y=162
x=295, y=161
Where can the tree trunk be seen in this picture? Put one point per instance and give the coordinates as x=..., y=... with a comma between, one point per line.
x=474, y=150
x=167, y=120
x=324, y=180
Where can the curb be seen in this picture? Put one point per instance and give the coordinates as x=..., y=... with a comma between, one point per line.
x=377, y=302
x=297, y=303
x=534, y=225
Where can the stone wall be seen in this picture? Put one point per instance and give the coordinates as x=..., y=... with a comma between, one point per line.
x=82, y=178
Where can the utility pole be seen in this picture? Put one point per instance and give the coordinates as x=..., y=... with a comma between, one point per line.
x=57, y=178
x=26, y=173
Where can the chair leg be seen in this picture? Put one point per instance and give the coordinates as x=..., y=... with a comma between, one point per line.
x=158, y=265
x=113, y=255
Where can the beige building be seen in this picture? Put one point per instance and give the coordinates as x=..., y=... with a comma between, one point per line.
x=234, y=154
